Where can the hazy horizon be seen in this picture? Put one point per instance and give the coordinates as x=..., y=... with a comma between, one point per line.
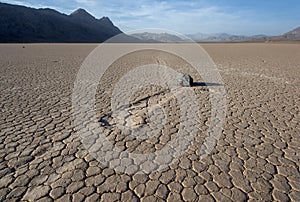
x=187, y=17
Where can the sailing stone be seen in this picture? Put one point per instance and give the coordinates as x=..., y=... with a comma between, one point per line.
x=184, y=80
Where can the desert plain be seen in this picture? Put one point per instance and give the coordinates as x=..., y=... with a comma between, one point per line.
x=256, y=158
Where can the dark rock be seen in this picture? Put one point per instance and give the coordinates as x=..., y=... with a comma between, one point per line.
x=184, y=80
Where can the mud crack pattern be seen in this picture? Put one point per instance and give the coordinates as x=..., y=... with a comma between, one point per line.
x=256, y=158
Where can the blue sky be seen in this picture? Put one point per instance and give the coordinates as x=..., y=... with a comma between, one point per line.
x=245, y=17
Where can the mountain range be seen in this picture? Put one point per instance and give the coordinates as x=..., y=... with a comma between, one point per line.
x=293, y=35
x=218, y=37
x=20, y=24
x=157, y=37
x=223, y=37
x=23, y=24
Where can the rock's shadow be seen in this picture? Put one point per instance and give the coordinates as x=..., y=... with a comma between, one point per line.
x=206, y=84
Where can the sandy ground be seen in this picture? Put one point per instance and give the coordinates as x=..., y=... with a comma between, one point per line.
x=256, y=158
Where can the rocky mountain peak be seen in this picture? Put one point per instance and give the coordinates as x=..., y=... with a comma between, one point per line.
x=82, y=14
x=30, y=25
x=106, y=21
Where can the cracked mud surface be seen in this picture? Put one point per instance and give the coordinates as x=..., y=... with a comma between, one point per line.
x=256, y=158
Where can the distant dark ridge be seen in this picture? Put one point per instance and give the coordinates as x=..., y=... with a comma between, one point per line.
x=20, y=24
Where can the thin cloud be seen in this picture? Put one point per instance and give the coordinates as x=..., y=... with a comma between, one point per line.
x=185, y=16
x=21, y=3
x=178, y=16
x=87, y=2
x=35, y=5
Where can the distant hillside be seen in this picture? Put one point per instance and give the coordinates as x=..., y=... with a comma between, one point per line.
x=157, y=37
x=23, y=24
x=198, y=37
x=215, y=37
x=293, y=35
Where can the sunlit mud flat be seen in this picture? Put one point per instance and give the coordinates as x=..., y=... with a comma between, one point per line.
x=256, y=157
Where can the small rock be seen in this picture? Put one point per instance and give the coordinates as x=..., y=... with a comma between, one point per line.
x=184, y=80
x=135, y=121
x=139, y=120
